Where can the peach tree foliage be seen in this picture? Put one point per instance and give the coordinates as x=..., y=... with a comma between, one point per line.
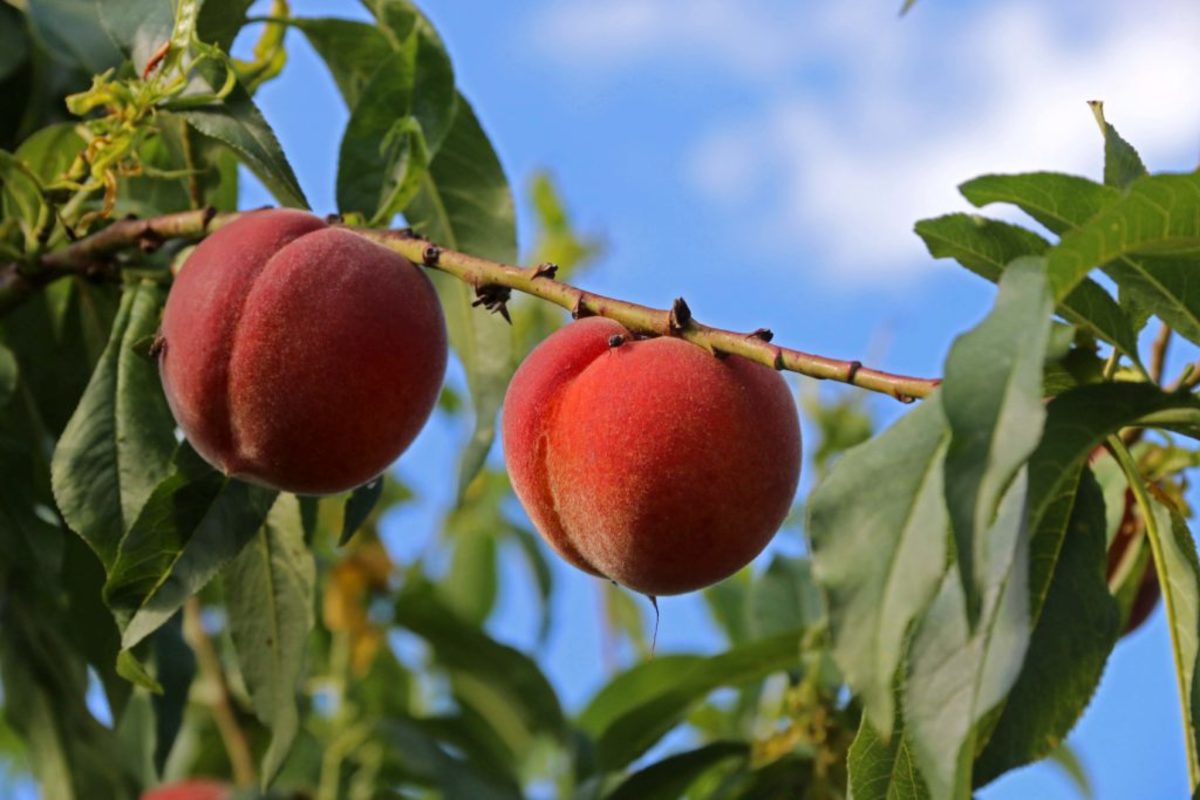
x=951, y=619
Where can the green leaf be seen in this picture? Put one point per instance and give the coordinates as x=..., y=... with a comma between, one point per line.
x=500, y=676
x=882, y=769
x=383, y=152
x=465, y=204
x=470, y=586
x=1060, y=202
x=1067, y=205
x=422, y=757
x=220, y=21
x=239, y=124
x=174, y=667
x=535, y=557
x=269, y=590
x=138, y=27
x=639, y=707
x=118, y=444
x=987, y=246
x=195, y=522
x=784, y=597
x=359, y=507
x=1160, y=215
x=958, y=673
x=992, y=401
x=1122, y=164
x=1074, y=631
x=72, y=30
x=877, y=526
x=671, y=777
x=1067, y=760
x=74, y=757
x=1181, y=595
x=353, y=52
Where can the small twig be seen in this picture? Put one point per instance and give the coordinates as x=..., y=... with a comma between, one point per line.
x=1158, y=352
x=209, y=663
x=480, y=272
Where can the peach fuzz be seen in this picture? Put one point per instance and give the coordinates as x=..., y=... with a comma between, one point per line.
x=650, y=462
x=298, y=355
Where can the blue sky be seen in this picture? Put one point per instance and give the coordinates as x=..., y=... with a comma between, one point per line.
x=767, y=160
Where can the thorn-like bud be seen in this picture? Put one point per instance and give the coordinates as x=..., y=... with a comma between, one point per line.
x=149, y=240
x=616, y=340
x=158, y=346
x=766, y=334
x=852, y=370
x=904, y=398
x=778, y=362
x=210, y=212
x=494, y=298
x=721, y=354
x=431, y=255
x=679, y=317
x=546, y=269
x=334, y=219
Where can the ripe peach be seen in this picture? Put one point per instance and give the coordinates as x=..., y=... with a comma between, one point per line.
x=298, y=355
x=650, y=462
x=194, y=789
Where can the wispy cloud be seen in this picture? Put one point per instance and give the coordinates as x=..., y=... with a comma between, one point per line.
x=844, y=163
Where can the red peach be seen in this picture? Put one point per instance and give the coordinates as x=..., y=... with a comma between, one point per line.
x=1131, y=529
x=298, y=355
x=194, y=789
x=650, y=462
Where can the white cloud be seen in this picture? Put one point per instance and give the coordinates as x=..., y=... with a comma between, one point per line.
x=916, y=106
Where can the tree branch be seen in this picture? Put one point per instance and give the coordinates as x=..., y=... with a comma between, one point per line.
x=493, y=282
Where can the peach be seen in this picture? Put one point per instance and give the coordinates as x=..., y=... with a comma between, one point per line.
x=650, y=462
x=1131, y=529
x=300, y=356
x=194, y=789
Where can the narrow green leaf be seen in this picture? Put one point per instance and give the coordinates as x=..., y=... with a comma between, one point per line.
x=465, y=203
x=118, y=444
x=359, y=507
x=878, y=528
x=671, y=777
x=1074, y=631
x=471, y=585
x=634, y=687
x=1067, y=760
x=239, y=124
x=201, y=521
x=422, y=757
x=992, y=400
x=987, y=246
x=138, y=27
x=958, y=673
x=882, y=769
x=220, y=21
x=634, y=730
x=174, y=667
x=8, y=375
x=535, y=557
x=1181, y=596
x=269, y=590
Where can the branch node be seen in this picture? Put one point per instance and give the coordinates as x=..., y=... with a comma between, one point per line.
x=158, y=346
x=616, y=340
x=334, y=219
x=766, y=334
x=149, y=240
x=431, y=255
x=494, y=298
x=852, y=369
x=546, y=269
x=210, y=213
x=579, y=310
x=777, y=362
x=679, y=317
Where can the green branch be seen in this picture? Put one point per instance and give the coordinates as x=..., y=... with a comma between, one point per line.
x=493, y=282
